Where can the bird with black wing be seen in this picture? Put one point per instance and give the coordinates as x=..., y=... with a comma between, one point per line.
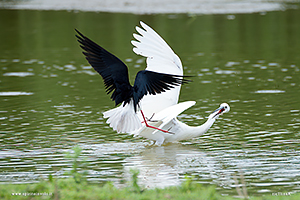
x=115, y=76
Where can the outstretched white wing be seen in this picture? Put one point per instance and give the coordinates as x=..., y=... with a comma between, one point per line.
x=171, y=112
x=163, y=120
x=160, y=58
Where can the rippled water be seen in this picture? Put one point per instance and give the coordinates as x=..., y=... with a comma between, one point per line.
x=51, y=100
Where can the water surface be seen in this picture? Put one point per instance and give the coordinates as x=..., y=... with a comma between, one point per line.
x=51, y=100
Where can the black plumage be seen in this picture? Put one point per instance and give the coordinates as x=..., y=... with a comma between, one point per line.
x=115, y=75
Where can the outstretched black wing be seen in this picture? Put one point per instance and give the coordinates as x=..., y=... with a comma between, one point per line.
x=149, y=82
x=115, y=75
x=113, y=71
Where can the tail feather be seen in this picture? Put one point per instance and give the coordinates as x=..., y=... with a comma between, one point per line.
x=123, y=119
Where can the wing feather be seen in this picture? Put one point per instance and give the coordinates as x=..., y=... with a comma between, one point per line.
x=113, y=71
x=160, y=58
x=149, y=82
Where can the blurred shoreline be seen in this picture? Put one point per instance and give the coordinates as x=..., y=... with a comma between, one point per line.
x=150, y=7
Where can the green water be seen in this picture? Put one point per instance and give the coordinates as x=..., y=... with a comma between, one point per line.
x=51, y=100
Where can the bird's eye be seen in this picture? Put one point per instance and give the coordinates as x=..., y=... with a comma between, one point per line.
x=226, y=107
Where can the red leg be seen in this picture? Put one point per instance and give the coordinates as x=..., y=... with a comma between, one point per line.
x=147, y=125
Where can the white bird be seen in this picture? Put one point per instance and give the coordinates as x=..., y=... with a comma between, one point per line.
x=157, y=119
x=167, y=120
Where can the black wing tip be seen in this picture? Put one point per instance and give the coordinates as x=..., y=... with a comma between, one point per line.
x=182, y=79
x=185, y=81
x=80, y=37
x=78, y=32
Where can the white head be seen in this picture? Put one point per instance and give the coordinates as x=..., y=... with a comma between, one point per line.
x=224, y=108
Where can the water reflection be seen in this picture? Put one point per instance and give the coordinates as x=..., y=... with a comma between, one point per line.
x=166, y=166
x=162, y=166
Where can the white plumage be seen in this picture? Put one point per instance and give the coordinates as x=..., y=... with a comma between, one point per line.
x=123, y=118
x=160, y=58
x=167, y=120
x=161, y=109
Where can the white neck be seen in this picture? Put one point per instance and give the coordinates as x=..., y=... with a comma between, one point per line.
x=188, y=132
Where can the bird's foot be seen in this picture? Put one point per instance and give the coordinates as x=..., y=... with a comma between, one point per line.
x=149, y=126
x=150, y=119
x=170, y=131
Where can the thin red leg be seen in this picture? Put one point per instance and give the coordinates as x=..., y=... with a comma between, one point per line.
x=147, y=125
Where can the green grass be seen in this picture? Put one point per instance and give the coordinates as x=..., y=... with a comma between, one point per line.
x=70, y=189
x=76, y=187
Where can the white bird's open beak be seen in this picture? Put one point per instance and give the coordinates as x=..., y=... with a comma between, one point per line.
x=224, y=108
x=218, y=112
